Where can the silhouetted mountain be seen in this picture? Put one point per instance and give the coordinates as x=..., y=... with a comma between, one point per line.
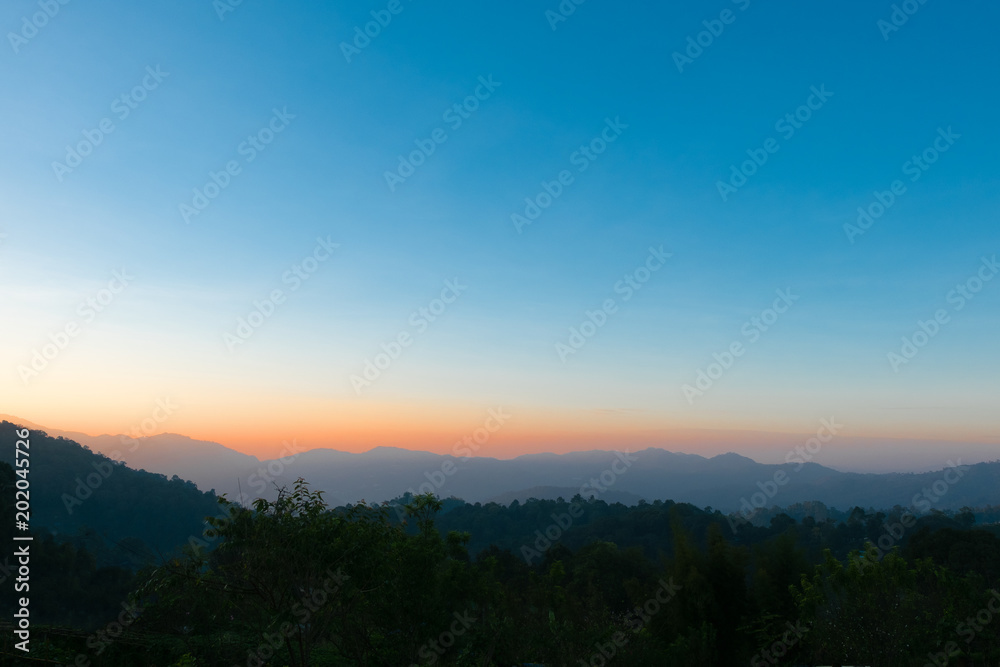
x=203, y=462
x=722, y=482
x=728, y=482
x=74, y=490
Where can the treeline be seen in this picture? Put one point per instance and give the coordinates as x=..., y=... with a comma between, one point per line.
x=122, y=516
x=525, y=528
x=293, y=582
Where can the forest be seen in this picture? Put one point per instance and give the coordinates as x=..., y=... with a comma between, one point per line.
x=429, y=581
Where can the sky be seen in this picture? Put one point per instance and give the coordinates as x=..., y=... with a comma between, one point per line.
x=617, y=224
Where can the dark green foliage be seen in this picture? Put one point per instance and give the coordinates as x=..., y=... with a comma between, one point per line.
x=294, y=582
x=962, y=551
x=66, y=586
x=748, y=598
x=124, y=516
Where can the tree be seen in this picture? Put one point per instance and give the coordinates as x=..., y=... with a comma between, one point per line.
x=875, y=612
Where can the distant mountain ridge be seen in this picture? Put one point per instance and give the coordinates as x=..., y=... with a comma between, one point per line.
x=203, y=462
x=727, y=482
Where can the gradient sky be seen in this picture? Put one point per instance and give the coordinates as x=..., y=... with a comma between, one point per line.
x=323, y=176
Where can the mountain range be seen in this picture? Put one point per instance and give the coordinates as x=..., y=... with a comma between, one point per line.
x=728, y=482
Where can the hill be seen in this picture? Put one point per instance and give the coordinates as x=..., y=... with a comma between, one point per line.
x=75, y=491
x=729, y=482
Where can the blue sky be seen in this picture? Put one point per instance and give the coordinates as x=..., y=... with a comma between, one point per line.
x=656, y=184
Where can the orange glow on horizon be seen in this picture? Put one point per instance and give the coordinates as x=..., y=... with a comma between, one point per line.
x=261, y=430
